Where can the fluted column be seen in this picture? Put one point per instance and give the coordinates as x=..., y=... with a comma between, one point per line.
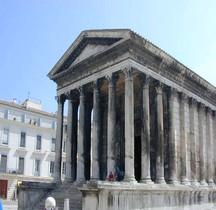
x=193, y=152
x=111, y=123
x=96, y=133
x=209, y=147
x=145, y=132
x=183, y=141
x=214, y=146
x=68, y=175
x=81, y=137
x=201, y=144
x=171, y=92
x=59, y=136
x=129, y=125
x=160, y=135
x=71, y=149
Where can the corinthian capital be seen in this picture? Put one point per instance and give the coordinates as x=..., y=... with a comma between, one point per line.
x=145, y=80
x=112, y=78
x=60, y=99
x=129, y=72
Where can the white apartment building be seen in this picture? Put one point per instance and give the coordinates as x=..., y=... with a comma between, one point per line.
x=27, y=145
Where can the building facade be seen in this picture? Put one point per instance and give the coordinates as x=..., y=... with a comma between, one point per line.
x=151, y=117
x=140, y=110
x=27, y=144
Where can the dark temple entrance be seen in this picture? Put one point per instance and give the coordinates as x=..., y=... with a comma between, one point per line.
x=137, y=158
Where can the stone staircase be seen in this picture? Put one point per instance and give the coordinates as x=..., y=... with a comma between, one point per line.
x=61, y=192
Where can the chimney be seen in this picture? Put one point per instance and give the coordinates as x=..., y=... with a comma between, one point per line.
x=15, y=100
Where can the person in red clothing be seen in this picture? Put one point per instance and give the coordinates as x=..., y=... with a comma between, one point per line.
x=111, y=177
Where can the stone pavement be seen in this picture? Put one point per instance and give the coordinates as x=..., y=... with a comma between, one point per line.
x=9, y=205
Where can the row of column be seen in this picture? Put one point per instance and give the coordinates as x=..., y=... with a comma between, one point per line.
x=75, y=163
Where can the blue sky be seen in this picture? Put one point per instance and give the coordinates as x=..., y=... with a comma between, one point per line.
x=35, y=34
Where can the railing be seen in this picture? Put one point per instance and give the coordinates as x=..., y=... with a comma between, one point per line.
x=10, y=171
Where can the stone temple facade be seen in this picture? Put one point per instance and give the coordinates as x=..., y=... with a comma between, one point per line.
x=133, y=106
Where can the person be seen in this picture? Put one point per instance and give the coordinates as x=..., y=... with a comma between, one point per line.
x=118, y=174
x=111, y=176
x=1, y=208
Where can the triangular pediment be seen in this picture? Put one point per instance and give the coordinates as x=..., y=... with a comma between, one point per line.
x=89, y=50
x=87, y=44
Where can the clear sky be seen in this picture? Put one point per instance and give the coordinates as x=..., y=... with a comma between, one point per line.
x=35, y=34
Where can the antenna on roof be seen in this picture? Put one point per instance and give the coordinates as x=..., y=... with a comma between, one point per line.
x=34, y=99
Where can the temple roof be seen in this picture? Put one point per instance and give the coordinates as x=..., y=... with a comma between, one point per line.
x=92, y=44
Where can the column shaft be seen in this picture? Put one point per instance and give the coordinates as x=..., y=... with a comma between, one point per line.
x=172, y=140
x=59, y=136
x=68, y=175
x=111, y=123
x=129, y=125
x=81, y=137
x=209, y=147
x=201, y=145
x=183, y=141
x=160, y=136
x=96, y=134
x=193, y=143
x=145, y=132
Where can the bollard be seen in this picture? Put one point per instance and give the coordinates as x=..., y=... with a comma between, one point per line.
x=66, y=204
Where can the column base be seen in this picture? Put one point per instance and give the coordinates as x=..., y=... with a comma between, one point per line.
x=195, y=182
x=185, y=181
x=146, y=181
x=160, y=180
x=211, y=183
x=68, y=180
x=203, y=183
x=130, y=179
x=173, y=182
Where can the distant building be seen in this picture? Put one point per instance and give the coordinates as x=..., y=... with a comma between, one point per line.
x=27, y=145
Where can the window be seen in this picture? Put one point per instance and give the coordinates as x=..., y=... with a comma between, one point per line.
x=53, y=145
x=6, y=114
x=21, y=165
x=39, y=121
x=38, y=143
x=64, y=168
x=65, y=128
x=52, y=168
x=23, y=118
x=5, y=136
x=53, y=125
x=37, y=168
x=3, y=164
x=22, y=139
x=64, y=145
